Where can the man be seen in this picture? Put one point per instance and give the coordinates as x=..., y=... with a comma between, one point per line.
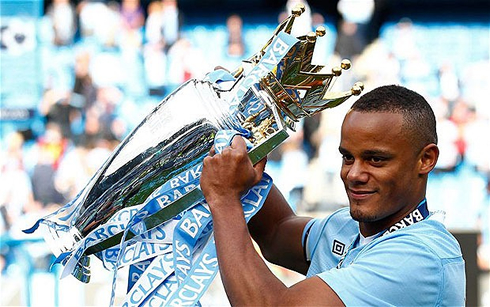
x=385, y=249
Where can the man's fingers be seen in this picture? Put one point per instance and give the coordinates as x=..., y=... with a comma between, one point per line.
x=260, y=166
x=238, y=143
x=212, y=151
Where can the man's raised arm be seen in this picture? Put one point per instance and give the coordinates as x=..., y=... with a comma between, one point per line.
x=246, y=277
x=278, y=232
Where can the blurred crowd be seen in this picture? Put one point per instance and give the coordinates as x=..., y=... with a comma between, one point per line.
x=106, y=64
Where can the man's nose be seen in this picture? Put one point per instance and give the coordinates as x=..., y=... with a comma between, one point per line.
x=357, y=172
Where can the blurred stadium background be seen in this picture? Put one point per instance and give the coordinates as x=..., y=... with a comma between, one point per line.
x=77, y=76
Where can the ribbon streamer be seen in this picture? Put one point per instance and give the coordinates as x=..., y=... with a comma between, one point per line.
x=192, y=265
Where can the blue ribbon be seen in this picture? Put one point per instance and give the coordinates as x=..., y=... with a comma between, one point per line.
x=149, y=252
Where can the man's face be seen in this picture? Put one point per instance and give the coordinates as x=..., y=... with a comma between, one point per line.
x=379, y=169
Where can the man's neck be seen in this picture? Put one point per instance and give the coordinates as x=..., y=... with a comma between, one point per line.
x=368, y=229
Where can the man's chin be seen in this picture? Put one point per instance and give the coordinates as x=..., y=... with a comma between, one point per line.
x=361, y=216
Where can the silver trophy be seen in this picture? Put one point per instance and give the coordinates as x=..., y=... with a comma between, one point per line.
x=264, y=98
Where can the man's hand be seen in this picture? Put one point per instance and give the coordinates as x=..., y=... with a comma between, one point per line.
x=228, y=175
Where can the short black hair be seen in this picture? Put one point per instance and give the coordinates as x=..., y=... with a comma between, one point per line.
x=419, y=118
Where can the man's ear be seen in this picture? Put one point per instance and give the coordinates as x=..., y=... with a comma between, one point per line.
x=428, y=158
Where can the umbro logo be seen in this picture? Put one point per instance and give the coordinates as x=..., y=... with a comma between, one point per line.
x=338, y=248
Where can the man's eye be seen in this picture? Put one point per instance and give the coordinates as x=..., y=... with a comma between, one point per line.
x=347, y=158
x=377, y=159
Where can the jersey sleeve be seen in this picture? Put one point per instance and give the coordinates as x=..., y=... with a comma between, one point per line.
x=309, y=232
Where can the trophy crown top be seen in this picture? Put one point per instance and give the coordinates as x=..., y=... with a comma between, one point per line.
x=298, y=10
x=299, y=87
x=320, y=31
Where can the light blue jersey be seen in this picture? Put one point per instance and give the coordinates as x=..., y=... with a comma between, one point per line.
x=419, y=265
